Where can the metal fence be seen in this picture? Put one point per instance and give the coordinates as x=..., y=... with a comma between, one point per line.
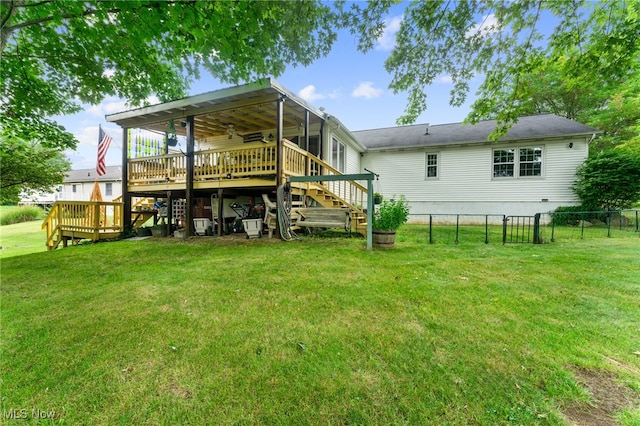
x=565, y=226
x=537, y=229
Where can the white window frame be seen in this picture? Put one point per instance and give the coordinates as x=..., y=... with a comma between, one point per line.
x=338, y=155
x=108, y=188
x=435, y=166
x=514, y=153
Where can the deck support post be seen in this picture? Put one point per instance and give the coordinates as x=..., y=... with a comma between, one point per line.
x=169, y=212
x=126, y=197
x=220, y=213
x=306, y=140
x=188, y=214
x=279, y=136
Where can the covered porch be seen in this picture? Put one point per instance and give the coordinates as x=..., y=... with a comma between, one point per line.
x=236, y=143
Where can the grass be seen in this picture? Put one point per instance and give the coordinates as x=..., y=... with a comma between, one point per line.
x=13, y=214
x=21, y=238
x=317, y=331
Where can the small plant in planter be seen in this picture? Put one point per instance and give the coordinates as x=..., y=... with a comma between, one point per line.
x=377, y=198
x=387, y=219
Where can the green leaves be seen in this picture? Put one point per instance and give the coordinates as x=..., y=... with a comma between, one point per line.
x=57, y=55
x=609, y=180
x=391, y=214
x=590, y=45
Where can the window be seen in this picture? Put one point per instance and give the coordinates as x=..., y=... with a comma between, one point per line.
x=314, y=145
x=432, y=166
x=503, y=162
x=108, y=188
x=531, y=161
x=527, y=162
x=74, y=188
x=338, y=160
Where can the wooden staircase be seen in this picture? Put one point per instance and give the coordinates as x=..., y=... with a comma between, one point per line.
x=141, y=211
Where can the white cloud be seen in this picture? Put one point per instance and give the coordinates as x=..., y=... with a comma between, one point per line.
x=108, y=106
x=488, y=25
x=309, y=93
x=388, y=38
x=366, y=90
x=446, y=79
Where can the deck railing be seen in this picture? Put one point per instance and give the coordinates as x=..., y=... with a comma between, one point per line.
x=89, y=219
x=250, y=160
x=247, y=161
x=299, y=162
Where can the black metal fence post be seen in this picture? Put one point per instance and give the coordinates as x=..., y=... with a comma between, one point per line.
x=430, y=229
x=486, y=229
x=504, y=229
x=536, y=229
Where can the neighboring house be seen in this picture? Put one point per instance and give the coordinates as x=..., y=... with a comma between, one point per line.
x=454, y=169
x=78, y=185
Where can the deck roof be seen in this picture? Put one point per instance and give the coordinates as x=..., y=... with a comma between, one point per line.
x=424, y=135
x=246, y=108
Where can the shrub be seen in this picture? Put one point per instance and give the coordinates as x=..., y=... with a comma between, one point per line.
x=572, y=215
x=21, y=214
x=610, y=180
x=391, y=214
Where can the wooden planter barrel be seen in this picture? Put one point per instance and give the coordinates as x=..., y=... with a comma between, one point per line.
x=383, y=239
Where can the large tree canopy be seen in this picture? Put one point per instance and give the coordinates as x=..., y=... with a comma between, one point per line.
x=591, y=45
x=56, y=55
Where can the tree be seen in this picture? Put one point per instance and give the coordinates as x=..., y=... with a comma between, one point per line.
x=56, y=55
x=618, y=117
x=29, y=166
x=592, y=43
x=609, y=180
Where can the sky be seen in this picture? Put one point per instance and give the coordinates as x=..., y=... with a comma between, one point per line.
x=350, y=85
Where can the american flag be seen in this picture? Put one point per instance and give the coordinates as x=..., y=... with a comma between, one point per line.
x=104, y=140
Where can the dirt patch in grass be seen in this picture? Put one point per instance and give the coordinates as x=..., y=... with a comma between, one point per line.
x=607, y=396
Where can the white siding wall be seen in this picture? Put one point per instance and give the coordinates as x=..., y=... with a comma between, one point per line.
x=465, y=183
x=84, y=189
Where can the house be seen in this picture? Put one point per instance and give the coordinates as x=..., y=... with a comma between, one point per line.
x=78, y=185
x=454, y=169
x=228, y=154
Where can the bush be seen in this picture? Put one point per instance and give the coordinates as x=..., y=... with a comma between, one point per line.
x=21, y=214
x=572, y=215
x=610, y=180
x=391, y=214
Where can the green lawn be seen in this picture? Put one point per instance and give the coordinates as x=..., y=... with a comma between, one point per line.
x=20, y=238
x=319, y=331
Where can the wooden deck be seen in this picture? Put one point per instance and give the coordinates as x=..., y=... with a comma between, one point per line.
x=249, y=167
x=82, y=220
